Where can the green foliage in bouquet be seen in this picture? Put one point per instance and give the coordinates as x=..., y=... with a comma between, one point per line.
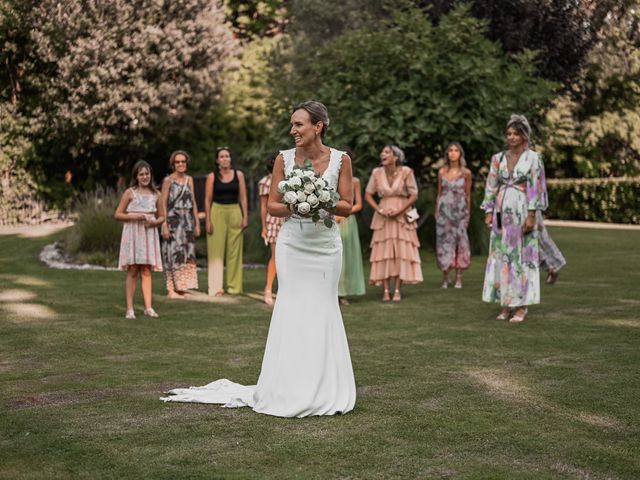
x=308, y=194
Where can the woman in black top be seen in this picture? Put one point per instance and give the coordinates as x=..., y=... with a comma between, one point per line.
x=226, y=218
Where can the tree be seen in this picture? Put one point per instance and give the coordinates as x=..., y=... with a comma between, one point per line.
x=562, y=31
x=420, y=86
x=594, y=129
x=119, y=77
x=19, y=199
x=257, y=18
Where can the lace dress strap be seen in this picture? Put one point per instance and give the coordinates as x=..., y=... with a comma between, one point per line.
x=289, y=157
x=333, y=169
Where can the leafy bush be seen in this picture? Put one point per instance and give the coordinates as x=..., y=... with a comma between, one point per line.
x=95, y=238
x=405, y=81
x=615, y=200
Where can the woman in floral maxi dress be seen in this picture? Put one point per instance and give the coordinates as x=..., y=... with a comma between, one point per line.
x=453, y=207
x=180, y=230
x=514, y=192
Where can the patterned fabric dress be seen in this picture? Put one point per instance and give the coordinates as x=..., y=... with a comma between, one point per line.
x=140, y=245
x=394, y=244
x=273, y=223
x=179, y=252
x=512, y=274
x=452, y=219
x=551, y=258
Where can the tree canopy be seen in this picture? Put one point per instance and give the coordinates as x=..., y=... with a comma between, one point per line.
x=408, y=82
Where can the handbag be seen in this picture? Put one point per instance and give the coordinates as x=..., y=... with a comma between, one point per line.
x=412, y=215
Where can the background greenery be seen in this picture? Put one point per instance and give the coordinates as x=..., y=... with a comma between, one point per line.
x=413, y=72
x=444, y=390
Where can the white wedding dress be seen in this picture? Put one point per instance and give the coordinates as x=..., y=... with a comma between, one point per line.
x=306, y=369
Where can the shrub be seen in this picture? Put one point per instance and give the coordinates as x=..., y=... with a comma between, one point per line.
x=613, y=200
x=95, y=238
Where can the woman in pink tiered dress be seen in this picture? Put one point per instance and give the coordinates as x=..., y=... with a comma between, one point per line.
x=394, y=245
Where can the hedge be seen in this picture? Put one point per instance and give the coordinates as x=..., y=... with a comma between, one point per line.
x=611, y=200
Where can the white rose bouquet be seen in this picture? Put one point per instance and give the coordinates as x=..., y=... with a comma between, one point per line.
x=309, y=195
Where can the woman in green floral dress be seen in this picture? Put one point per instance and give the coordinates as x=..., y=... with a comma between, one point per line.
x=515, y=191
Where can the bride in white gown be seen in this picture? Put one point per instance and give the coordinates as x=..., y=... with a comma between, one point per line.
x=306, y=369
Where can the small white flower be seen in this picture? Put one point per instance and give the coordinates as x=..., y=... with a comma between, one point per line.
x=304, y=208
x=312, y=200
x=324, y=196
x=320, y=183
x=295, y=182
x=290, y=197
x=301, y=196
x=309, y=188
x=298, y=173
x=282, y=185
x=311, y=174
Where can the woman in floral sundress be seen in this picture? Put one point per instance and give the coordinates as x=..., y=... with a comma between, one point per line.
x=453, y=206
x=515, y=191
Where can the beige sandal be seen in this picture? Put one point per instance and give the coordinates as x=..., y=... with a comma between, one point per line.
x=385, y=295
x=519, y=318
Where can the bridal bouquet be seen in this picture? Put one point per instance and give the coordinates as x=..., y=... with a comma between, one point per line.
x=308, y=194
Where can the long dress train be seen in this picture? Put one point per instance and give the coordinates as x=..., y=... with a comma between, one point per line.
x=306, y=368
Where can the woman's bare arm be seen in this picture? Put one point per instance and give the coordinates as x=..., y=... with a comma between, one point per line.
x=357, y=205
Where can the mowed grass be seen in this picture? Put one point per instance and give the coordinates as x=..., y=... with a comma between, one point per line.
x=444, y=390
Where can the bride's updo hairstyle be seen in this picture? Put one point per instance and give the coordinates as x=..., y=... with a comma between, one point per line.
x=318, y=113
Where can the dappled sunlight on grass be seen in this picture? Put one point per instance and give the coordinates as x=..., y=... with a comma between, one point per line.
x=16, y=295
x=623, y=323
x=34, y=231
x=502, y=384
x=26, y=312
x=25, y=280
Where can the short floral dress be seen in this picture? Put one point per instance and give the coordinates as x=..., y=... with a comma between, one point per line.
x=273, y=224
x=140, y=245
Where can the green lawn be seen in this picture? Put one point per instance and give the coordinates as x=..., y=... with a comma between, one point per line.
x=444, y=390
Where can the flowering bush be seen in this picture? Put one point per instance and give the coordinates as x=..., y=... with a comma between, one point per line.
x=307, y=194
